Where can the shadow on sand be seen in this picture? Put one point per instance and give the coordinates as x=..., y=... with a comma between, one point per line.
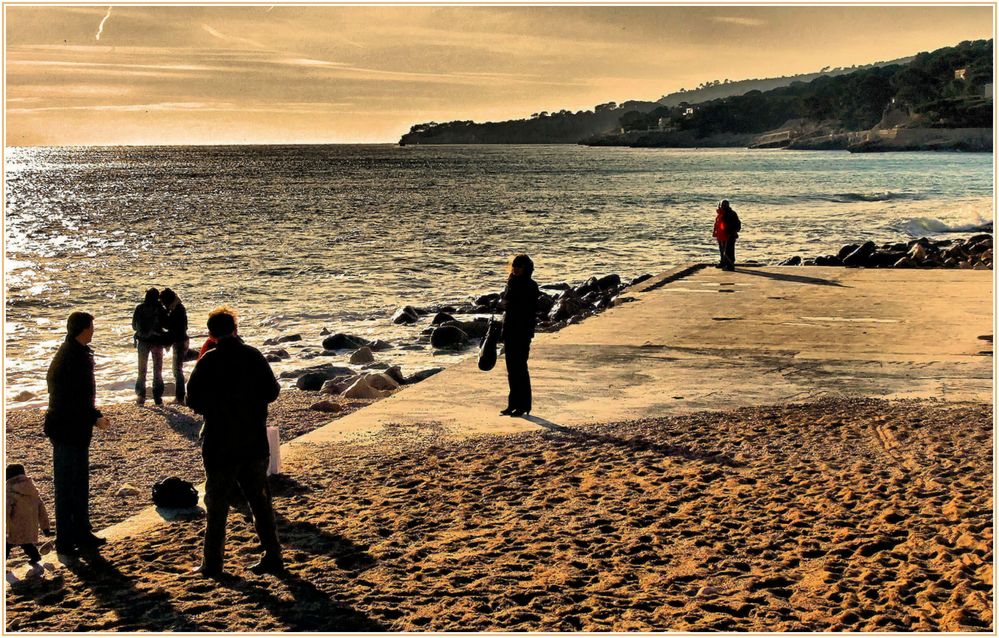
x=797, y=279
x=636, y=444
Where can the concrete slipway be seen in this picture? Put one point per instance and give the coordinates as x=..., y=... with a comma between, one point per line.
x=703, y=339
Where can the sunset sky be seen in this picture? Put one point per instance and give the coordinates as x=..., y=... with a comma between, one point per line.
x=271, y=74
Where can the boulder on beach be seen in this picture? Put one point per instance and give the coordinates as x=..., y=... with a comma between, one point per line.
x=561, y=285
x=609, y=281
x=396, y=373
x=341, y=341
x=362, y=355
x=846, y=250
x=860, y=255
x=488, y=301
x=371, y=386
x=587, y=286
x=441, y=317
x=311, y=381
x=884, y=258
x=127, y=490
x=273, y=341
x=24, y=395
x=326, y=406
x=545, y=303
x=791, y=261
x=378, y=345
x=828, y=260
x=448, y=336
x=406, y=315
x=565, y=306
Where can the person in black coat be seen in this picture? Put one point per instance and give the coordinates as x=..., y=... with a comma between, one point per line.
x=231, y=386
x=69, y=425
x=148, y=320
x=520, y=303
x=176, y=337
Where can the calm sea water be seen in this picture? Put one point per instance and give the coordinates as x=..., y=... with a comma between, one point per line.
x=299, y=238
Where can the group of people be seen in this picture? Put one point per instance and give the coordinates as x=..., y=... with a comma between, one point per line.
x=231, y=386
x=160, y=323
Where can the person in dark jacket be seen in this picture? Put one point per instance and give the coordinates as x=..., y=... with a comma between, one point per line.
x=520, y=303
x=69, y=425
x=147, y=322
x=176, y=337
x=726, y=231
x=231, y=386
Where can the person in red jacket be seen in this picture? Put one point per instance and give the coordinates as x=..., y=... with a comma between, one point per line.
x=727, y=227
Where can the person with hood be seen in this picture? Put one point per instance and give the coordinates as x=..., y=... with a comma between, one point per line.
x=26, y=513
x=176, y=329
x=147, y=322
x=520, y=304
x=726, y=231
x=231, y=385
x=69, y=424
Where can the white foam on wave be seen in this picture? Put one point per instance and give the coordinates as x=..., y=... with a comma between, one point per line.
x=920, y=226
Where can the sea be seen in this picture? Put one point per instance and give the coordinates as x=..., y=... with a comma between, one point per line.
x=306, y=239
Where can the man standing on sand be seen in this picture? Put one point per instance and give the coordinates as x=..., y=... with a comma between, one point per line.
x=176, y=329
x=231, y=386
x=726, y=231
x=69, y=425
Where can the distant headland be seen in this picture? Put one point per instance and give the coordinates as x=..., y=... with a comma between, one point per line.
x=939, y=100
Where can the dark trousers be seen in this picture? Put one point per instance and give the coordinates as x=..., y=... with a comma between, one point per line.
x=516, y=353
x=144, y=351
x=224, y=481
x=71, y=480
x=29, y=549
x=727, y=250
x=179, y=353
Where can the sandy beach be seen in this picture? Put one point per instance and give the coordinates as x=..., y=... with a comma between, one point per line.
x=858, y=515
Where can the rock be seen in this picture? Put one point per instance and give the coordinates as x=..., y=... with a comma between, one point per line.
x=828, y=260
x=846, y=250
x=859, y=256
x=976, y=239
x=311, y=381
x=565, y=306
x=906, y=262
x=371, y=386
x=382, y=381
x=488, y=301
x=791, y=261
x=378, y=345
x=271, y=358
x=280, y=353
x=441, y=317
x=324, y=332
x=24, y=395
x=328, y=369
x=884, y=258
x=918, y=253
x=127, y=490
x=587, y=286
x=708, y=591
x=475, y=329
x=639, y=279
x=362, y=355
x=406, y=315
x=396, y=373
x=340, y=341
x=949, y=263
x=326, y=406
x=556, y=286
x=421, y=375
x=448, y=336
x=375, y=365
x=545, y=303
x=609, y=281
x=273, y=341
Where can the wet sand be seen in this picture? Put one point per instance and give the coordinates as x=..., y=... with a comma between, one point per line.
x=855, y=515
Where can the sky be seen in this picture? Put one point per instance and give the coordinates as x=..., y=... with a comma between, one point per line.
x=336, y=74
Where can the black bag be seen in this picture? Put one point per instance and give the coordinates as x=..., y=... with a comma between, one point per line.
x=175, y=493
x=487, y=351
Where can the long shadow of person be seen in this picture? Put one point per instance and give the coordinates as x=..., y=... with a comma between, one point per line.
x=137, y=609
x=310, y=609
x=183, y=423
x=637, y=444
x=797, y=279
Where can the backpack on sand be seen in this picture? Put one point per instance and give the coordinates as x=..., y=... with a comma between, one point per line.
x=175, y=493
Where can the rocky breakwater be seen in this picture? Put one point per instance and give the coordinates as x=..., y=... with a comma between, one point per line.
x=444, y=328
x=972, y=253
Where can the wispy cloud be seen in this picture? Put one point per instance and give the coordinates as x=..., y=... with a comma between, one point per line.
x=100, y=28
x=742, y=22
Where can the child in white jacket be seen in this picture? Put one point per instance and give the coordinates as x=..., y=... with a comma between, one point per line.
x=25, y=513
